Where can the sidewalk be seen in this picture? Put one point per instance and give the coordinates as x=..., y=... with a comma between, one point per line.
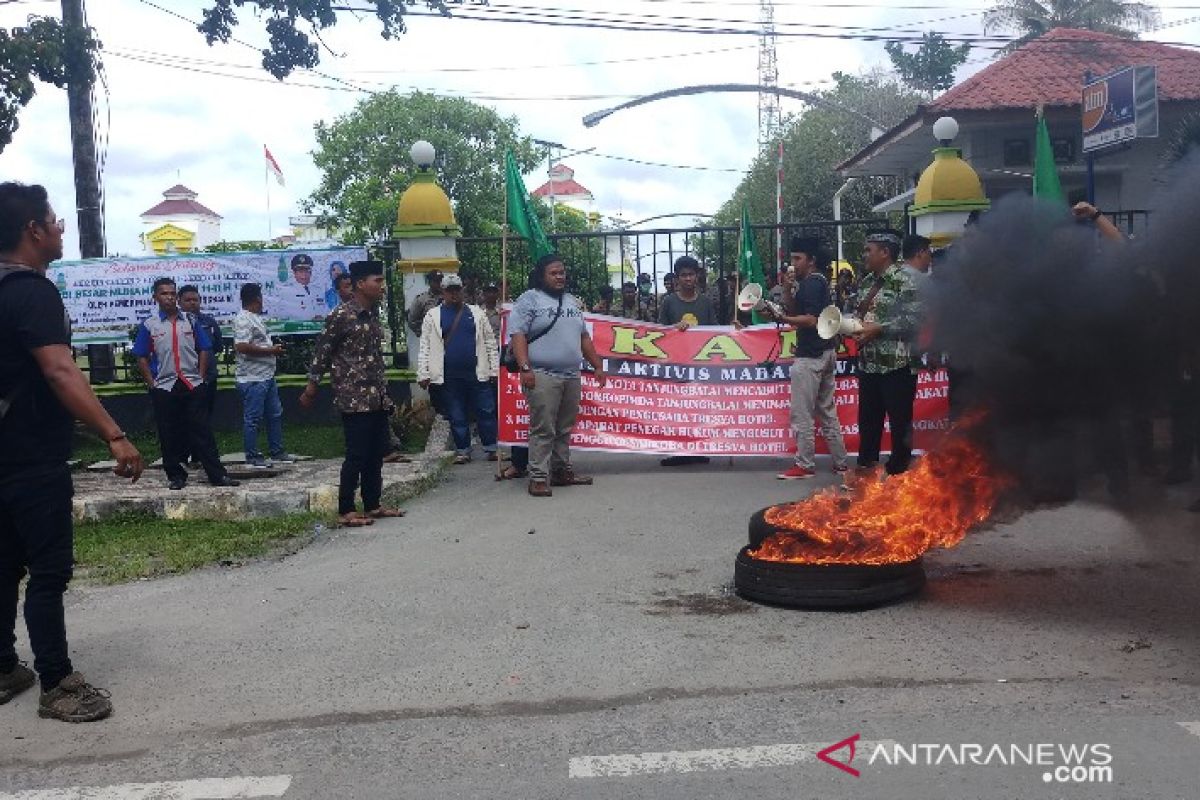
x=307, y=486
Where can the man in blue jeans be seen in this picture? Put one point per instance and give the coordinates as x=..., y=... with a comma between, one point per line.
x=255, y=375
x=459, y=357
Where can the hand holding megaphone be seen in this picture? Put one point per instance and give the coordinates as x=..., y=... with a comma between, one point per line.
x=832, y=322
x=750, y=298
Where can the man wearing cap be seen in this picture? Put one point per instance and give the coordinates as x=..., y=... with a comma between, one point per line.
x=890, y=310
x=351, y=350
x=815, y=367
x=459, y=355
x=308, y=302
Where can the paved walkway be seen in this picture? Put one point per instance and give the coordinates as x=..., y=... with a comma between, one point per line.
x=302, y=487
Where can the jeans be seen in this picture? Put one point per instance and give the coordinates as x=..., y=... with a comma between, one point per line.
x=462, y=398
x=259, y=399
x=367, y=443
x=812, y=401
x=36, y=536
x=891, y=394
x=182, y=418
x=553, y=406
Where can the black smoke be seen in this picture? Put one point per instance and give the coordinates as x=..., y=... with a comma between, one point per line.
x=1071, y=342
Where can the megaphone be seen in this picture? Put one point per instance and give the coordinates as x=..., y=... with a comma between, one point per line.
x=831, y=322
x=750, y=298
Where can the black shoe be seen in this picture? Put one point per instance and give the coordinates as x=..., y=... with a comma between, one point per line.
x=225, y=481
x=13, y=683
x=176, y=485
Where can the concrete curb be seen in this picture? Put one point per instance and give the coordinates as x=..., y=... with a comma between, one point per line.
x=313, y=489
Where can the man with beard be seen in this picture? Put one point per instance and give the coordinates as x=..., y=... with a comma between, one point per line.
x=887, y=374
x=42, y=393
x=351, y=350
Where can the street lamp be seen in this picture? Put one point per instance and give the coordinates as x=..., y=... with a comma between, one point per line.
x=594, y=118
x=422, y=154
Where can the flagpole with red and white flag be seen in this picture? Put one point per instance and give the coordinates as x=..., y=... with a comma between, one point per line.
x=271, y=168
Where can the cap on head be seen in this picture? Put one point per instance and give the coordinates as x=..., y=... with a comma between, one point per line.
x=302, y=261
x=452, y=281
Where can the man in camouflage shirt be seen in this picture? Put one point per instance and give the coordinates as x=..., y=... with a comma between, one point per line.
x=887, y=365
x=631, y=306
x=351, y=350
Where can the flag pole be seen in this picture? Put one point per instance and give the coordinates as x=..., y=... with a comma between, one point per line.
x=267, y=185
x=504, y=323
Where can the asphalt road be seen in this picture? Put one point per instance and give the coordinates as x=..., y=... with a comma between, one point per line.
x=491, y=645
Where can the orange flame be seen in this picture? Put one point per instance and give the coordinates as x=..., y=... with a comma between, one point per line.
x=934, y=504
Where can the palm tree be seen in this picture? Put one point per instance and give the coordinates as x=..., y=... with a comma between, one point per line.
x=1035, y=17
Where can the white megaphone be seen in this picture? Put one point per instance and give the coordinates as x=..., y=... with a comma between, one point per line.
x=831, y=322
x=750, y=298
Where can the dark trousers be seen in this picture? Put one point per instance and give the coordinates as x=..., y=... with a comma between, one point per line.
x=36, y=538
x=367, y=442
x=889, y=394
x=182, y=418
x=1185, y=433
x=209, y=387
x=463, y=398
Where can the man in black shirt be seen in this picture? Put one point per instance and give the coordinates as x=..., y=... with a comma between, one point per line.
x=815, y=367
x=42, y=392
x=683, y=308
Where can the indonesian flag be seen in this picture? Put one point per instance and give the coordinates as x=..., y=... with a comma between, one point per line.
x=273, y=166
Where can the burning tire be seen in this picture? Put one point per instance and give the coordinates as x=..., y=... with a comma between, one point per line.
x=759, y=528
x=824, y=586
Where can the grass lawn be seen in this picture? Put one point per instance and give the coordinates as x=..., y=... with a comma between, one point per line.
x=133, y=546
x=319, y=441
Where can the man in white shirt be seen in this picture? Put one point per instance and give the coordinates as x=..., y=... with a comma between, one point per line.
x=255, y=375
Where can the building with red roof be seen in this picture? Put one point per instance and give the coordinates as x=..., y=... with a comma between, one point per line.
x=996, y=107
x=180, y=223
x=563, y=188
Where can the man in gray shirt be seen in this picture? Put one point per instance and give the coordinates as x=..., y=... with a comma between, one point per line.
x=549, y=339
x=255, y=374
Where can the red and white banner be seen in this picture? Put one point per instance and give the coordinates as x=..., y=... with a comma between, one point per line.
x=273, y=166
x=706, y=391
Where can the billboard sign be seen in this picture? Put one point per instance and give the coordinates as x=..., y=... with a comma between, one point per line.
x=1120, y=107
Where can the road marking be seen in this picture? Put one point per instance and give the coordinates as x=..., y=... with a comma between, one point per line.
x=206, y=789
x=722, y=758
x=1191, y=727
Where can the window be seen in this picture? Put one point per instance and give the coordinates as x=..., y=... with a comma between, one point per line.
x=1016, y=153
x=1064, y=149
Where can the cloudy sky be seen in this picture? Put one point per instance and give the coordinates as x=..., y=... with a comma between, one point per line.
x=177, y=110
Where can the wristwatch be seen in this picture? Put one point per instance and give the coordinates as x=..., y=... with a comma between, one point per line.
x=525, y=368
x=1096, y=215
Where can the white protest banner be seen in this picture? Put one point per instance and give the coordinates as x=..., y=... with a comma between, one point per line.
x=106, y=298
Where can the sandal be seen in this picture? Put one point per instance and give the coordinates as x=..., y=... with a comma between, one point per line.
x=540, y=489
x=354, y=520
x=380, y=513
x=511, y=473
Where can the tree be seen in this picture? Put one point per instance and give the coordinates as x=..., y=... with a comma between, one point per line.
x=815, y=142
x=365, y=167
x=931, y=68
x=1033, y=18
x=44, y=50
x=291, y=48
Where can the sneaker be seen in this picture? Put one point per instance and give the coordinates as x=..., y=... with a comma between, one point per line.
x=285, y=458
x=15, y=682
x=258, y=463
x=75, y=700
x=796, y=473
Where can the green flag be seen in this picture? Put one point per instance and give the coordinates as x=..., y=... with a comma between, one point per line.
x=1045, y=174
x=749, y=266
x=520, y=215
